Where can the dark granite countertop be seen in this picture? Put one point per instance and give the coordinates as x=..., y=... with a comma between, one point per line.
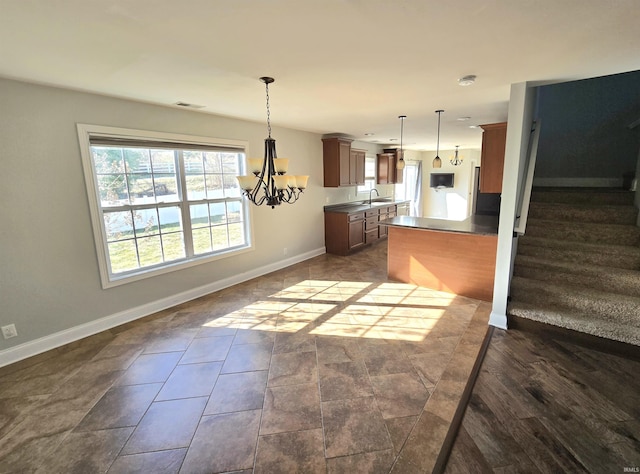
x=481, y=225
x=349, y=207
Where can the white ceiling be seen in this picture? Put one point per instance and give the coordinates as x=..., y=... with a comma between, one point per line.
x=341, y=66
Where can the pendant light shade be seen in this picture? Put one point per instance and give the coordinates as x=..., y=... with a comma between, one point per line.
x=400, y=162
x=437, y=162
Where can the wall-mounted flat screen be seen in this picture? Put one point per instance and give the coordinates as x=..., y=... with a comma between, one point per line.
x=442, y=180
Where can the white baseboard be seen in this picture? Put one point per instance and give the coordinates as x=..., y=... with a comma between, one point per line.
x=52, y=341
x=578, y=182
x=498, y=320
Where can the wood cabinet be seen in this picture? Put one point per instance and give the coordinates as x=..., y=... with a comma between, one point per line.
x=386, y=167
x=371, y=226
x=386, y=213
x=494, y=139
x=356, y=232
x=347, y=232
x=356, y=165
x=343, y=233
x=343, y=165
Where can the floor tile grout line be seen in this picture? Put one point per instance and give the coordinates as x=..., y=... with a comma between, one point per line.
x=264, y=400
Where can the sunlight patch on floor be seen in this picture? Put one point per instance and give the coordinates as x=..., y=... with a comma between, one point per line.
x=395, y=311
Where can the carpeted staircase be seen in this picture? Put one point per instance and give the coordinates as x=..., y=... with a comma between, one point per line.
x=578, y=266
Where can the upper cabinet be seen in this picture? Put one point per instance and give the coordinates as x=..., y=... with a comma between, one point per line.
x=356, y=165
x=343, y=166
x=386, y=167
x=494, y=139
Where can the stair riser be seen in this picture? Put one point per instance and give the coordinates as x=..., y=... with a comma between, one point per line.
x=610, y=310
x=585, y=233
x=625, y=215
x=594, y=197
x=610, y=283
x=602, y=328
x=577, y=256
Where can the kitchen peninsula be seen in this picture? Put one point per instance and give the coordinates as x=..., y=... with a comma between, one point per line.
x=453, y=256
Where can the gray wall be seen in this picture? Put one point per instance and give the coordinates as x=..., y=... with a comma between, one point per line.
x=49, y=280
x=585, y=130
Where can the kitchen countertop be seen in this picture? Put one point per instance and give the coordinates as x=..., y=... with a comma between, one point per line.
x=349, y=207
x=479, y=225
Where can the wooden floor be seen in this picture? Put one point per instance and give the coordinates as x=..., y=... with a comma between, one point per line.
x=542, y=404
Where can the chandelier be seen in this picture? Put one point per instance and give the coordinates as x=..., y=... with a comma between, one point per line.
x=269, y=183
x=455, y=161
x=400, y=163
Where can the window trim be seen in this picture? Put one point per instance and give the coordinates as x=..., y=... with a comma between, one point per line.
x=85, y=133
x=359, y=187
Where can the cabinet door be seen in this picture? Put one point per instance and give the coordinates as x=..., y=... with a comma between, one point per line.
x=387, y=172
x=358, y=157
x=399, y=174
x=494, y=139
x=356, y=234
x=345, y=163
x=392, y=168
x=336, y=160
x=384, y=176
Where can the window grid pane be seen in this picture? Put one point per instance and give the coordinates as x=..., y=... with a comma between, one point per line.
x=147, y=181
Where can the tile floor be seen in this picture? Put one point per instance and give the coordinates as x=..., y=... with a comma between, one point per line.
x=325, y=366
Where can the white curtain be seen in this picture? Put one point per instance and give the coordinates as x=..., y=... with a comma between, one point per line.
x=411, y=187
x=416, y=196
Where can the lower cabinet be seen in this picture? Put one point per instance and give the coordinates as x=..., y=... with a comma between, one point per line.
x=343, y=233
x=371, y=226
x=347, y=232
x=386, y=213
x=356, y=232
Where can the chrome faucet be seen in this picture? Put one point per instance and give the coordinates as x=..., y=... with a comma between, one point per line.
x=372, y=190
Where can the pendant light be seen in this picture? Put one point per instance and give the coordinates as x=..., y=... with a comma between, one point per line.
x=455, y=161
x=269, y=184
x=400, y=162
x=437, y=162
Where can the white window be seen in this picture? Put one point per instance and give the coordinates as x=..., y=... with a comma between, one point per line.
x=161, y=202
x=369, y=175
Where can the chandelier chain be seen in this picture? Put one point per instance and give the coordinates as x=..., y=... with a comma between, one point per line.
x=268, y=111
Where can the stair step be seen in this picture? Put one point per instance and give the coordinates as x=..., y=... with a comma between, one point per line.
x=602, y=196
x=591, y=213
x=575, y=320
x=612, y=280
x=617, y=256
x=578, y=266
x=615, y=234
x=621, y=309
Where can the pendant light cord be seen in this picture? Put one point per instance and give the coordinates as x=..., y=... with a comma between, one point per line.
x=402, y=117
x=438, y=141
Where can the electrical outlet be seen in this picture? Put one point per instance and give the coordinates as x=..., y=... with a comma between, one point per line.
x=9, y=331
x=285, y=251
